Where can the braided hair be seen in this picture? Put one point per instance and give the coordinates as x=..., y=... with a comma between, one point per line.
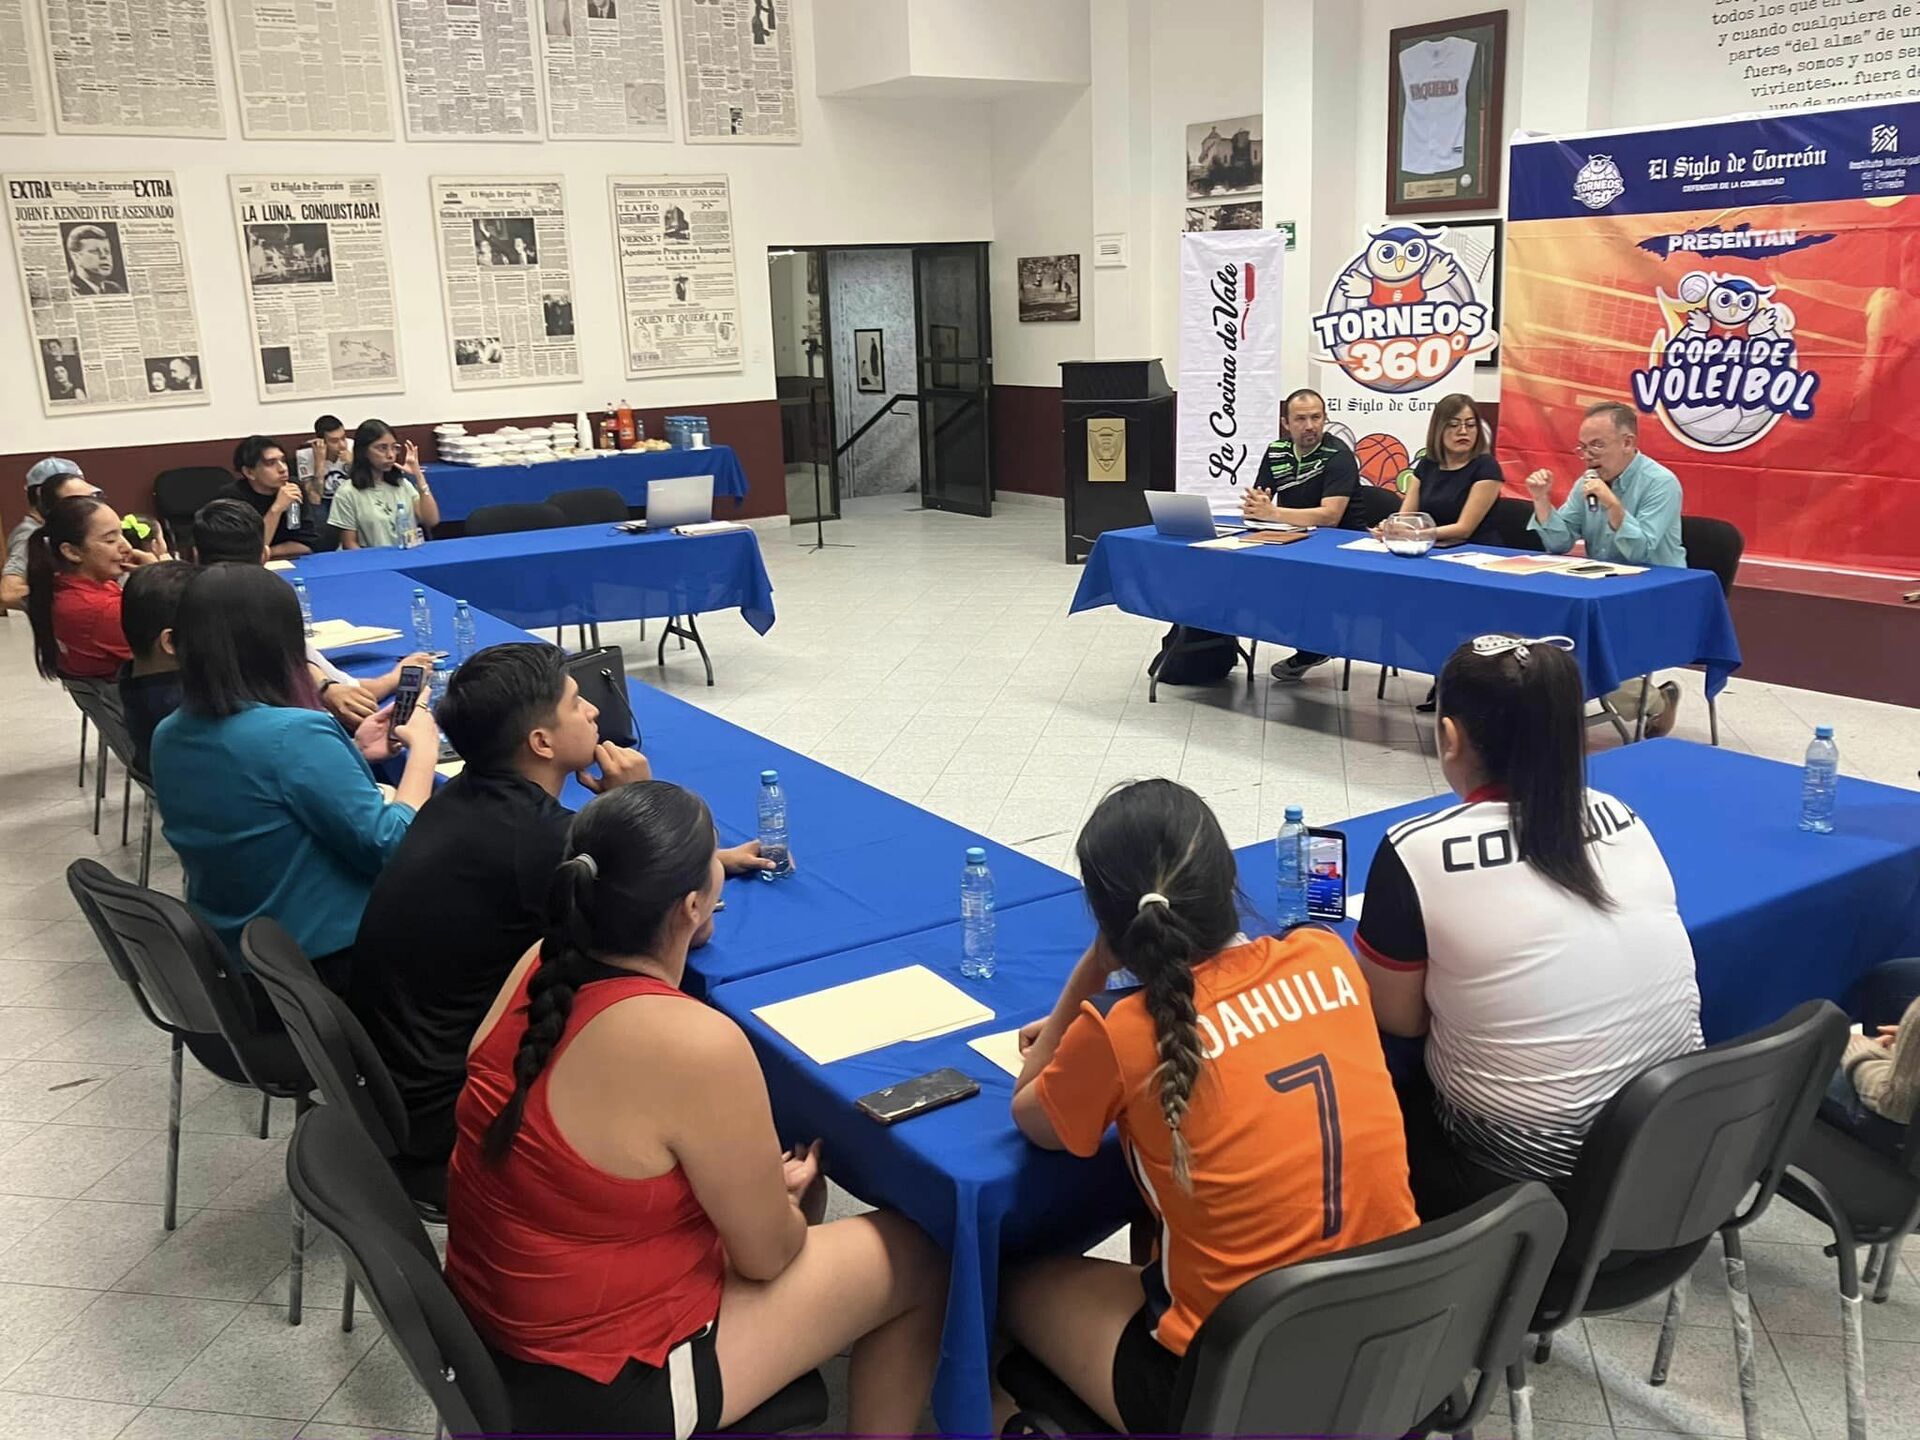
x=1161, y=882
x=633, y=855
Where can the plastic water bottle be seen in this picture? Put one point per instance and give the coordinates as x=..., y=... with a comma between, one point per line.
x=773, y=827
x=977, y=960
x=1290, y=869
x=463, y=642
x=422, y=620
x=306, y=604
x=1822, y=779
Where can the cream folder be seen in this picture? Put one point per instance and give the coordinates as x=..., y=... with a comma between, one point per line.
x=1002, y=1048
x=334, y=634
x=911, y=1003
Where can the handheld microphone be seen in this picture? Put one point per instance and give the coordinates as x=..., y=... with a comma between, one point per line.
x=1593, y=501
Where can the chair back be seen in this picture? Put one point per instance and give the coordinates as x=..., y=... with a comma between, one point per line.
x=179, y=493
x=1370, y=505
x=342, y=1182
x=506, y=519
x=1374, y=1340
x=594, y=505
x=178, y=970
x=346, y=1067
x=99, y=701
x=1675, y=1151
x=1715, y=545
x=1509, y=517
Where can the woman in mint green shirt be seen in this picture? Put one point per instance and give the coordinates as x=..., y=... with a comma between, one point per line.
x=386, y=505
x=269, y=805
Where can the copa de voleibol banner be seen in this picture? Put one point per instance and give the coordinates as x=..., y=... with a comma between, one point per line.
x=1229, y=385
x=1752, y=288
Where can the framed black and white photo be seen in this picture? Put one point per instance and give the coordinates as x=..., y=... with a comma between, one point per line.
x=1445, y=80
x=870, y=362
x=1049, y=287
x=1223, y=161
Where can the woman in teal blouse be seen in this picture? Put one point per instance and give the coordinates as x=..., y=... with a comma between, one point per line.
x=269, y=805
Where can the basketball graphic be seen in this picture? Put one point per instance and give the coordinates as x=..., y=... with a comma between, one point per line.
x=1381, y=459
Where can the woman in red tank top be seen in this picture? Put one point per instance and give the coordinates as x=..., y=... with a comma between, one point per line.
x=623, y=1227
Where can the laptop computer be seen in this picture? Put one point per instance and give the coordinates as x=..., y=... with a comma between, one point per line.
x=1185, y=516
x=684, y=500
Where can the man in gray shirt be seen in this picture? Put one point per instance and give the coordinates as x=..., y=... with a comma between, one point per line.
x=52, y=479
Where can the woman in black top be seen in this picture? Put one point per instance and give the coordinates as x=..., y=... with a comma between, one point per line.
x=1456, y=480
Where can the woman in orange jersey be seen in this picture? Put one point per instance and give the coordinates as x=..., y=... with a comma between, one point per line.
x=1247, y=1080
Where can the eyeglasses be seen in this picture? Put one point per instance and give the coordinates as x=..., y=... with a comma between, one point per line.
x=1589, y=447
x=1519, y=645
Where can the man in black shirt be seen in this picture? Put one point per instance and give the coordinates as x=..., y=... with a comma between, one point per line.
x=1307, y=478
x=465, y=896
x=282, y=505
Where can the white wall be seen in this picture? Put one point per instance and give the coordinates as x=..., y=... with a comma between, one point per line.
x=1042, y=205
x=866, y=172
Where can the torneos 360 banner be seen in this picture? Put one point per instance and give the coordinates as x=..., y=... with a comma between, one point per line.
x=1229, y=360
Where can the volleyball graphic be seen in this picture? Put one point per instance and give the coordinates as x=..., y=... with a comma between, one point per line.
x=1381, y=458
x=1341, y=433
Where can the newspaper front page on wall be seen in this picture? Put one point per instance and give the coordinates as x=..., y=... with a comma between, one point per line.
x=736, y=71
x=679, y=294
x=311, y=69
x=20, y=112
x=468, y=69
x=103, y=266
x=319, y=285
x=506, y=271
x=606, y=69
x=141, y=67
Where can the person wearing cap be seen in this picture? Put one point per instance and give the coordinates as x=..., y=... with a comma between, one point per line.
x=54, y=478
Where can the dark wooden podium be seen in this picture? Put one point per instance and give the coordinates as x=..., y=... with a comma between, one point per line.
x=1117, y=434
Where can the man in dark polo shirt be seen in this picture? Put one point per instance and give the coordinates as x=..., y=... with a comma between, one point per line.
x=465, y=895
x=1307, y=478
x=264, y=484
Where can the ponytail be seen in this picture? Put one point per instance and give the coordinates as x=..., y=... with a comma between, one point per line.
x=1162, y=885
x=1521, y=710
x=563, y=967
x=66, y=524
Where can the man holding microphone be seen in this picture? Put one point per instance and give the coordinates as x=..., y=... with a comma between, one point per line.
x=1626, y=507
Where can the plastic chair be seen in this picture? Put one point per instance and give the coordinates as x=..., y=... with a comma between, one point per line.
x=510, y=519
x=1509, y=517
x=99, y=702
x=1377, y=1340
x=1669, y=1163
x=178, y=495
x=337, y=1174
x=593, y=505
x=186, y=986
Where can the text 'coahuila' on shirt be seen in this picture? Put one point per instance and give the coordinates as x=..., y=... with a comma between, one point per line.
x=1297, y=1146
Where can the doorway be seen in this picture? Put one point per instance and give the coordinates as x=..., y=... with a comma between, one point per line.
x=883, y=370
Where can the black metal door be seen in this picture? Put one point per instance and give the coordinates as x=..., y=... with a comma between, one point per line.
x=956, y=377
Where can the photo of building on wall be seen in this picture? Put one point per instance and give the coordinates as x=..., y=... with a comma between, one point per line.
x=1223, y=158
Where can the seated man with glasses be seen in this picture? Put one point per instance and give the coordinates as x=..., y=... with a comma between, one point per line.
x=1627, y=509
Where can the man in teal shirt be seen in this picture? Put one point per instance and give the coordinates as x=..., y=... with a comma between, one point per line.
x=1626, y=507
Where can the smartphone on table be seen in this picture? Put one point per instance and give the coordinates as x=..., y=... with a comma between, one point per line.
x=917, y=1096
x=406, y=695
x=1326, y=874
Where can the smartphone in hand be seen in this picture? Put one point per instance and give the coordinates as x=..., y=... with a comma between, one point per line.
x=406, y=695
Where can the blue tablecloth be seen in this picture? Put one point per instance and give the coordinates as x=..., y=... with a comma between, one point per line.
x=963, y=1174
x=1413, y=613
x=579, y=575
x=1776, y=915
x=463, y=489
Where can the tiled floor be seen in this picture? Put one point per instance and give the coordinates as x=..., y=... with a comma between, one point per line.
x=937, y=660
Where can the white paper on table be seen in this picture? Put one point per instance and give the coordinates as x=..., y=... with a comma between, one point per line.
x=911, y=1003
x=338, y=634
x=1284, y=527
x=1002, y=1048
x=1368, y=544
x=1475, y=558
x=279, y=564
x=1354, y=903
x=451, y=768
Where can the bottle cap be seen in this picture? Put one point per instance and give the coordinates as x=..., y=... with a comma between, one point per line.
x=419, y=593
x=1823, y=732
x=461, y=604
x=769, y=777
x=1294, y=812
x=976, y=855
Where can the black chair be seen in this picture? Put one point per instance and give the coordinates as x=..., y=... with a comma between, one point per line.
x=335, y=1172
x=1715, y=545
x=507, y=519
x=1377, y=1340
x=178, y=495
x=1508, y=519
x=594, y=505
x=184, y=983
x=1670, y=1163
x=346, y=1067
x=98, y=702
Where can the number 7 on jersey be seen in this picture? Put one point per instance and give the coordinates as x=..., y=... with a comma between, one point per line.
x=1316, y=1074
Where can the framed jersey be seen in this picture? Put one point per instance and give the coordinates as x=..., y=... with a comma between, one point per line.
x=1444, y=88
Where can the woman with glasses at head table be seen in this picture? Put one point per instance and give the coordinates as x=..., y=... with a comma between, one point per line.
x=1529, y=933
x=1456, y=479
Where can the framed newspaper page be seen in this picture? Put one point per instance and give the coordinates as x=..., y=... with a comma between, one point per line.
x=1445, y=81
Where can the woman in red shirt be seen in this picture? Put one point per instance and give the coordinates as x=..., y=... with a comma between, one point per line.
x=623, y=1227
x=75, y=563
